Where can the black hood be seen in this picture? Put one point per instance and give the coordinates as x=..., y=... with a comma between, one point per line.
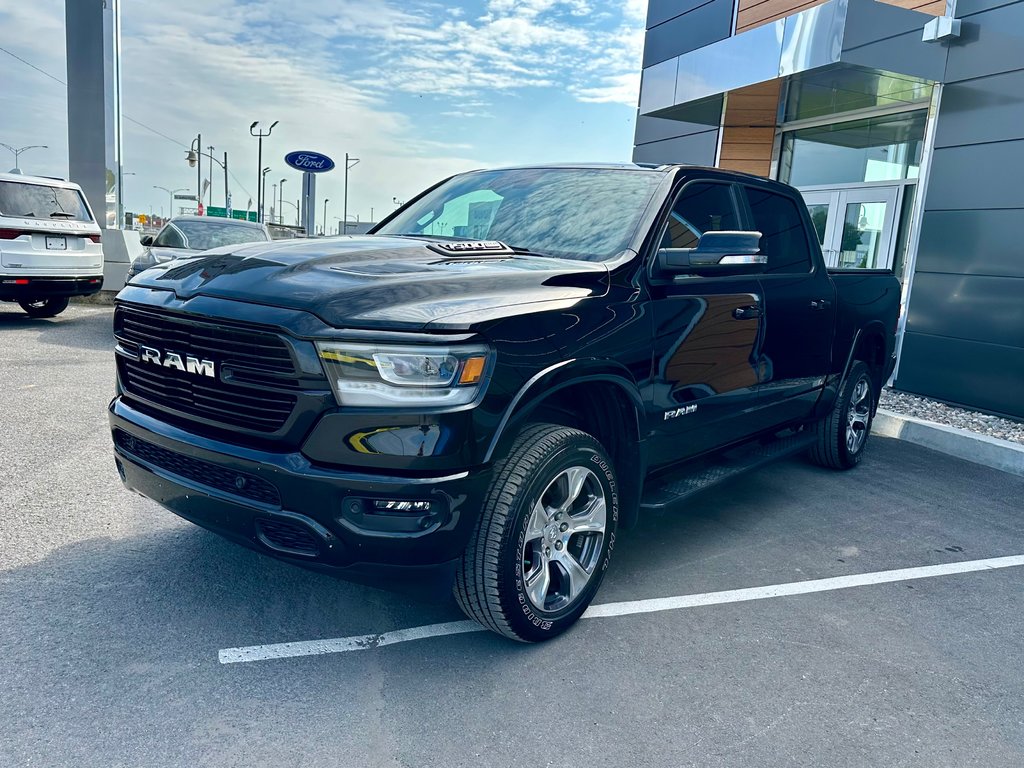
x=378, y=281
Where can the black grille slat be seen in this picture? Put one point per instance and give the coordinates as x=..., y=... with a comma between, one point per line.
x=259, y=393
x=199, y=471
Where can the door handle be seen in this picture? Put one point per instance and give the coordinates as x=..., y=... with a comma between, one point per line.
x=820, y=304
x=747, y=313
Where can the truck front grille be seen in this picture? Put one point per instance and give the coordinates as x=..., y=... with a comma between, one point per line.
x=255, y=382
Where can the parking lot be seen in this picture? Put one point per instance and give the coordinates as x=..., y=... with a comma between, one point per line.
x=115, y=615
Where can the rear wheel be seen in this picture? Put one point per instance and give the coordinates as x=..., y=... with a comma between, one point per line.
x=842, y=435
x=545, y=535
x=44, y=307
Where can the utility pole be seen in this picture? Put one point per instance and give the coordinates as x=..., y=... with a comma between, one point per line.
x=350, y=162
x=256, y=130
x=211, y=175
x=226, y=203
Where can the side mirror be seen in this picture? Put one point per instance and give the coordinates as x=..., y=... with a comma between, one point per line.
x=146, y=240
x=717, y=253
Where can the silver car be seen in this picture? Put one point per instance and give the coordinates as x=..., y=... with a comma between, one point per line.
x=185, y=236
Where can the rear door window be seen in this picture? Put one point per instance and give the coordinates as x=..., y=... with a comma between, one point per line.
x=37, y=201
x=783, y=235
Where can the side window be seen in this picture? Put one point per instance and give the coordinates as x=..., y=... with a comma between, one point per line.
x=700, y=208
x=783, y=237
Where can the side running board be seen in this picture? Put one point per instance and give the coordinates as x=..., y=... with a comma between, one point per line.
x=665, y=490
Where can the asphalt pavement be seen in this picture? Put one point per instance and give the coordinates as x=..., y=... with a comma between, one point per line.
x=113, y=613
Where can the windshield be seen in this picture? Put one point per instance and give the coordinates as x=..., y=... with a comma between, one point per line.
x=38, y=201
x=203, y=235
x=574, y=213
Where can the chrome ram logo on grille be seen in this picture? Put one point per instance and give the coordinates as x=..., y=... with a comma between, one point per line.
x=184, y=363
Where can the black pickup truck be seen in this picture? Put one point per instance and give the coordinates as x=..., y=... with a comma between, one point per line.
x=499, y=377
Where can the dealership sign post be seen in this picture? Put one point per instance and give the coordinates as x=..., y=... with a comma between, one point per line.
x=310, y=163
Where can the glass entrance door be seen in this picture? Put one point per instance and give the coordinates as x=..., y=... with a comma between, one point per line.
x=855, y=227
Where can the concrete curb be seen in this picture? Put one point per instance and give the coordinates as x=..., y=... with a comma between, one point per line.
x=980, y=449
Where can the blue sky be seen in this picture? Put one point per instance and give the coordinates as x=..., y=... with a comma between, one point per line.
x=416, y=89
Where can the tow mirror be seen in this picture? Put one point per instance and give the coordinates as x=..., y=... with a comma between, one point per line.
x=717, y=253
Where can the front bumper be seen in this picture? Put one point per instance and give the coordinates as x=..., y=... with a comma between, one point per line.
x=17, y=288
x=285, y=506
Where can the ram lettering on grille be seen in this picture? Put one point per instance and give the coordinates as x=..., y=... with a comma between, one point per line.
x=188, y=364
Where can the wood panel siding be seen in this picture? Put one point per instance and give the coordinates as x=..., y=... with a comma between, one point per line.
x=754, y=13
x=749, y=130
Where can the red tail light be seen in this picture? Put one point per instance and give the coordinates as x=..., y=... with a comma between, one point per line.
x=95, y=238
x=10, y=234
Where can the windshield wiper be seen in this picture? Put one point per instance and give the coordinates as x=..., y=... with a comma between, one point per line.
x=62, y=213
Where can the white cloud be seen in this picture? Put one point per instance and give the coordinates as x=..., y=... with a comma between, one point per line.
x=332, y=74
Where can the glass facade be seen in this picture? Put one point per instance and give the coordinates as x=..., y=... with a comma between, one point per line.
x=834, y=91
x=876, y=149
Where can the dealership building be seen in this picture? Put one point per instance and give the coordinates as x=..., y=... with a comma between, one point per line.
x=903, y=125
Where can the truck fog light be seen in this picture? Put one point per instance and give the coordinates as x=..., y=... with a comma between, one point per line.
x=413, y=507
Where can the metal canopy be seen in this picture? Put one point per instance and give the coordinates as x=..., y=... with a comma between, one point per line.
x=856, y=34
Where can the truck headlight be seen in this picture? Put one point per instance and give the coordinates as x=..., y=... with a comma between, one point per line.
x=383, y=375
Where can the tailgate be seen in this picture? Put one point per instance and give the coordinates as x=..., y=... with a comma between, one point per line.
x=50, y=250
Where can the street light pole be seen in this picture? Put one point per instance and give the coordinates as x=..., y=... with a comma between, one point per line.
x=326, y=201
x=257, y=130
x=170, y=192
x=280, y=201
x=350, y=162
x=226, y=204
x=17, y=152
x=262, y=194
x=195, y=155
x=273, y=196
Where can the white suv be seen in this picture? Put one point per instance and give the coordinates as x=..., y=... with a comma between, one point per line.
x=50, y=245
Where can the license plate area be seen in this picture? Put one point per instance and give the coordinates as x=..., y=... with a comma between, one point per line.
x=56, y=243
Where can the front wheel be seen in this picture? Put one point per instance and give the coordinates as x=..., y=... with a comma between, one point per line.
x=841, y=436
x=544, y=537
x=44, y=307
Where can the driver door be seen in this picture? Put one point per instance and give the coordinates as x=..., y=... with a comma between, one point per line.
x=708, y=332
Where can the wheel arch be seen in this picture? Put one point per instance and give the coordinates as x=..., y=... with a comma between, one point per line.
x=599, y=397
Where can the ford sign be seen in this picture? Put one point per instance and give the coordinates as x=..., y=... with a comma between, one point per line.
x=310, y=162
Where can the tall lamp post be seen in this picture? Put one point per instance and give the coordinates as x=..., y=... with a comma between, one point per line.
x=256, y=129
x=171, y=192
x=194, y=158
x=350, y=162
x=262, y=194
x=280, y=201
x=273, y=197
x=17, y=153
x=194, y=152
x=326, y=201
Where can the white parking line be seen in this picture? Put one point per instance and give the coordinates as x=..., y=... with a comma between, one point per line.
x=605, y=610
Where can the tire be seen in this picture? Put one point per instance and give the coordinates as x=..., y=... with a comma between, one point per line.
x=840, y=438
x=517, y=576
x=44, y=307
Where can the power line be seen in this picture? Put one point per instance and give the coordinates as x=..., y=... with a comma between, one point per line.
x=57, y=79
x=126, y=117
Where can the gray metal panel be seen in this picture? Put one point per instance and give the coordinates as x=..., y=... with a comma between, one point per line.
x=984, y=109
x=752, y=57
x=650, y=129
x=660, y=11
x=987, y=376
x=972, y=243
x=658, y=86
x=965, y=8
x=814, y=40
x=87, y=102
x=704, y=25
x=991, y=42
x=903, y=54
x=697, y=149
x=972, y=307
x=956, y=182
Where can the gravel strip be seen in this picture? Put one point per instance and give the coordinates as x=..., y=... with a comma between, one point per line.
x=905, y=404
